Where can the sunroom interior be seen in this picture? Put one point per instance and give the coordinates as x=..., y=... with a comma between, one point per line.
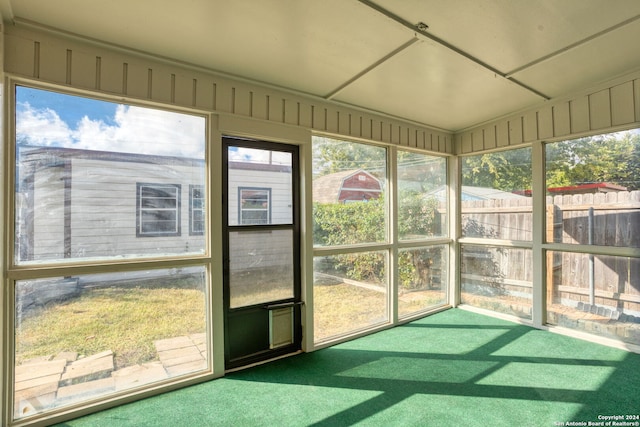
x=194, y=188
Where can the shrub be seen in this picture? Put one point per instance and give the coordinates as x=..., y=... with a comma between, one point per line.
x=338, y=224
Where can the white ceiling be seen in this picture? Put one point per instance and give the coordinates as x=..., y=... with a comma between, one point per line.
x=476, y=61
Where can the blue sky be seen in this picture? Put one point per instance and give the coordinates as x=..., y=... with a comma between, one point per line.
x=46, y=118
x=69, y=108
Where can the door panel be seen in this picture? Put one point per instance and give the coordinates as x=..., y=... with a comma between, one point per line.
x=261, y=251
x=261, y=267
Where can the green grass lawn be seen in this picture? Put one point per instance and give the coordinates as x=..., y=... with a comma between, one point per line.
x=126, y=320
x=343, y=308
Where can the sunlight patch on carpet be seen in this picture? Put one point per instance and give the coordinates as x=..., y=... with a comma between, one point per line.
x=552, y=376
x=424, y=370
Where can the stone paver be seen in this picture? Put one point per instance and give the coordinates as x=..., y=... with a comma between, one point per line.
x=51, y=381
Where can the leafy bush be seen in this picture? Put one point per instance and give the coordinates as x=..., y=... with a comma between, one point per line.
x=338, y=224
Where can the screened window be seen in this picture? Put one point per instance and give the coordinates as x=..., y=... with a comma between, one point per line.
x=91, y=178
x=593, y=190
x=255, y=205
x=496, y=195
x=158, y=209
x=422, y=216
x=496, y=205
x=593, y=204
x=422, y=196
x=497, y=278
x=350, y=212
x=196, y=210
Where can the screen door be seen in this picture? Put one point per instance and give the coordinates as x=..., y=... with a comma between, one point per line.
x=261, y=251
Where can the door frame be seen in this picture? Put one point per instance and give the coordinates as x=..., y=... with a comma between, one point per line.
x=262, y=310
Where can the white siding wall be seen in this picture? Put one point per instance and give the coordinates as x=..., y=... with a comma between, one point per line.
x=281, y=192
x=103, y=210
x=48, y=224
x=52, y=58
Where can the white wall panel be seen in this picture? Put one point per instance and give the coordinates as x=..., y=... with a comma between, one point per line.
x=429, y=142
x=530, y=126
x=342, y=123
x=20, y=53
x=515, y=131
x=110, y=74
x=502, y=134
x=291, y=111
x=331, y=120
x=561, y=119
x=579, y=110
x=545, y=123
x=51, y=62
x=306, y=117
x=622, y=107
x=75, y=63
x=224, y=94
x=490, y=139
x=464, y=143
x=600, y=110
x=162, y=84
x=477, y=140
x=183, y=89
x=636, y=90
x=82, y=63
x=611, y=106
x=136, y=80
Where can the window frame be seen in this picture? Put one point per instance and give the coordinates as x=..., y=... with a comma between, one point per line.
x=241, y=210
x=391, y=245
x=140, y=210
x=487, y=241
x=16, y=271
x=193, y=210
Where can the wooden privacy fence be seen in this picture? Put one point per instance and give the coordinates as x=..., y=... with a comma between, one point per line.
x=604, y=219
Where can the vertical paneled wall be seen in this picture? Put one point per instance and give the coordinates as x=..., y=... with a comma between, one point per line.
x=611, y=107
x=55, y=59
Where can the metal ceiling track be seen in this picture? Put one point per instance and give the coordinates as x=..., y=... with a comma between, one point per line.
x=371, y=67
x=420, y=32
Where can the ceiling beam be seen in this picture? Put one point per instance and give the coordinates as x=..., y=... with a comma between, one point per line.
x=572, y=46
x=418, y=31
x=371, y=67
x=6, y=11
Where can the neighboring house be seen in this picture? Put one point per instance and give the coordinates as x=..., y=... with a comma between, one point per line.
x=106, y=204
x=348, y=186
x=259, y=193
x=598, y=187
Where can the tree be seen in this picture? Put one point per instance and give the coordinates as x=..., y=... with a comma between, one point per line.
x=330, y=156
x=505, y=170
x=613, y=158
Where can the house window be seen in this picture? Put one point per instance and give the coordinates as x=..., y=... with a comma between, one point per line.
x=158, y=210
x=255, y=205
x=196, y=210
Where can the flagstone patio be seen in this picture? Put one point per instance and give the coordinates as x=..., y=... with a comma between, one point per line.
x=58, y=380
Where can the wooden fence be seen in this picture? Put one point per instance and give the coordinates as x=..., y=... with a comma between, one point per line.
x=604, y=219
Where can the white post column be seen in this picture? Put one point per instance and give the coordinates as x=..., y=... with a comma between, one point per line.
x=539, y=255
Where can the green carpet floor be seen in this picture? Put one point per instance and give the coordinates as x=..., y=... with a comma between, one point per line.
x=455, y=368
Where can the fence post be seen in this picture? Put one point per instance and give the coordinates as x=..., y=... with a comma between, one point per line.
x=592, y=284
x=550, y=227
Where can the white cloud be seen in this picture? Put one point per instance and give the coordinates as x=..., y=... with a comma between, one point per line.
x=42, y=127
x=251, y=155
x=133, y=130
